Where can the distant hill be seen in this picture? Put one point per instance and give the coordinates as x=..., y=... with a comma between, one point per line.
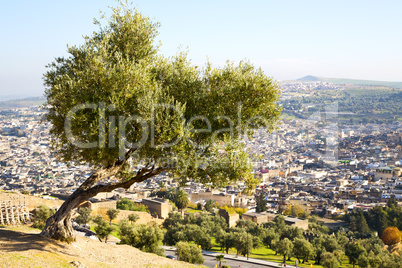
x=343, y=81
x=21, y=103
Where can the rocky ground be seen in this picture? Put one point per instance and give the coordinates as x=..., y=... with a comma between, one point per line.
x=24, y=247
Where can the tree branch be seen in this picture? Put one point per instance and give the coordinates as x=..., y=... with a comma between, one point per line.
x=142, y=175
x=106, y=172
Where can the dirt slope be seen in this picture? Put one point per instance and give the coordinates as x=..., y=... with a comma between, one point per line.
x=23, y=247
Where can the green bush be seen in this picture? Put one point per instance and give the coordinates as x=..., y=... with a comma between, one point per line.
x=42, y=213
x=127, y=204
x=189, y=253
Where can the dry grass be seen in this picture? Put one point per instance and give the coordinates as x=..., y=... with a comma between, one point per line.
x=24, y=247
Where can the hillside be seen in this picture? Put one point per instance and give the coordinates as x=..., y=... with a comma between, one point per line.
x=21, y=103
x=342, y=81
x=24, y=247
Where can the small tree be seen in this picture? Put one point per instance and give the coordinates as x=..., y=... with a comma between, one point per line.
x=243, y=243
x=270, y=236
x=353, y=251
x=210, y=205
x=189, y=253
x=133, y=217
x=391, y=235
x=285, y=247
x=181, y=200
x=41, y=214
x=303, y=249
x=112, y=214
x=261, y=203
x=225, y=240
x=85, y=216
x=328, y=260
x=219, y=259
x=145, y=238
x=204, y=240
x=103, y=229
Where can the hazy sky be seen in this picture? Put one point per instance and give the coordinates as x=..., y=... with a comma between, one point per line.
x=288, y=39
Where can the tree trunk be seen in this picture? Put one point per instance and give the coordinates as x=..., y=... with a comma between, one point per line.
x=59, y=225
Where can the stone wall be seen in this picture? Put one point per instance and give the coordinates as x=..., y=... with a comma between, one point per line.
x=32, y=201
x=159, y=206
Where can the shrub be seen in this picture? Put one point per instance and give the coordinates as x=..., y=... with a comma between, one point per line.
x=189, y=253
x=42, y=213
x=127, y=204
x=391, y=235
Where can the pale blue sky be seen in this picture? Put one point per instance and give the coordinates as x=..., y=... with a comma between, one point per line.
x=288, y=39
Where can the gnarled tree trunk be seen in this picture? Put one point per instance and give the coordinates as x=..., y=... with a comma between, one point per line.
x=59, y=225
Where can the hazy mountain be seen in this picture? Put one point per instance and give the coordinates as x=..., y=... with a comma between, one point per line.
x=19, y=103
x=342, y=81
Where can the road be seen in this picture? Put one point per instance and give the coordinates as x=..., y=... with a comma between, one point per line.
x=211, y=262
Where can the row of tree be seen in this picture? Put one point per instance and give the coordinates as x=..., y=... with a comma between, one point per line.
x=325, y=248
x=377, y=218
x=319, y=244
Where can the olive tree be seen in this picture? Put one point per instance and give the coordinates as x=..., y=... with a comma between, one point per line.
x=85, y=216
x=117, y=105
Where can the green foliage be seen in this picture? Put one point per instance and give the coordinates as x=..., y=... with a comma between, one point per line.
x=328, y=260
x=285, y=247
x=231, y=210
x=291, y=232
x=210, y=205
x=204, y=240
x=42, y=213
x=364, y=105
x=103, y=229
x=279, y=223
x=317, y=228
x=226, y=240
x=295, y=211
x=189, y=253
x=199, y=230
x=118, y=69
x=127, y=204
x=181, y=200
x=133, y=217
x=377, y=218
x=85, y=215
x=242, y=223
x=243, y=242
x=112, y=214
x=219, y=259
x=145, y=238
x=353, y=251
x=261, y=203
x=303, y=249
x=240, y=211
x=270, y=236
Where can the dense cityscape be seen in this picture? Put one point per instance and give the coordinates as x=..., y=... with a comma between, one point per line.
x=308, y=166
x=201, y=134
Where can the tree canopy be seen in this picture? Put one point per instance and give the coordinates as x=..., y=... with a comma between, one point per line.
x=115, y=93
x=131, y=113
